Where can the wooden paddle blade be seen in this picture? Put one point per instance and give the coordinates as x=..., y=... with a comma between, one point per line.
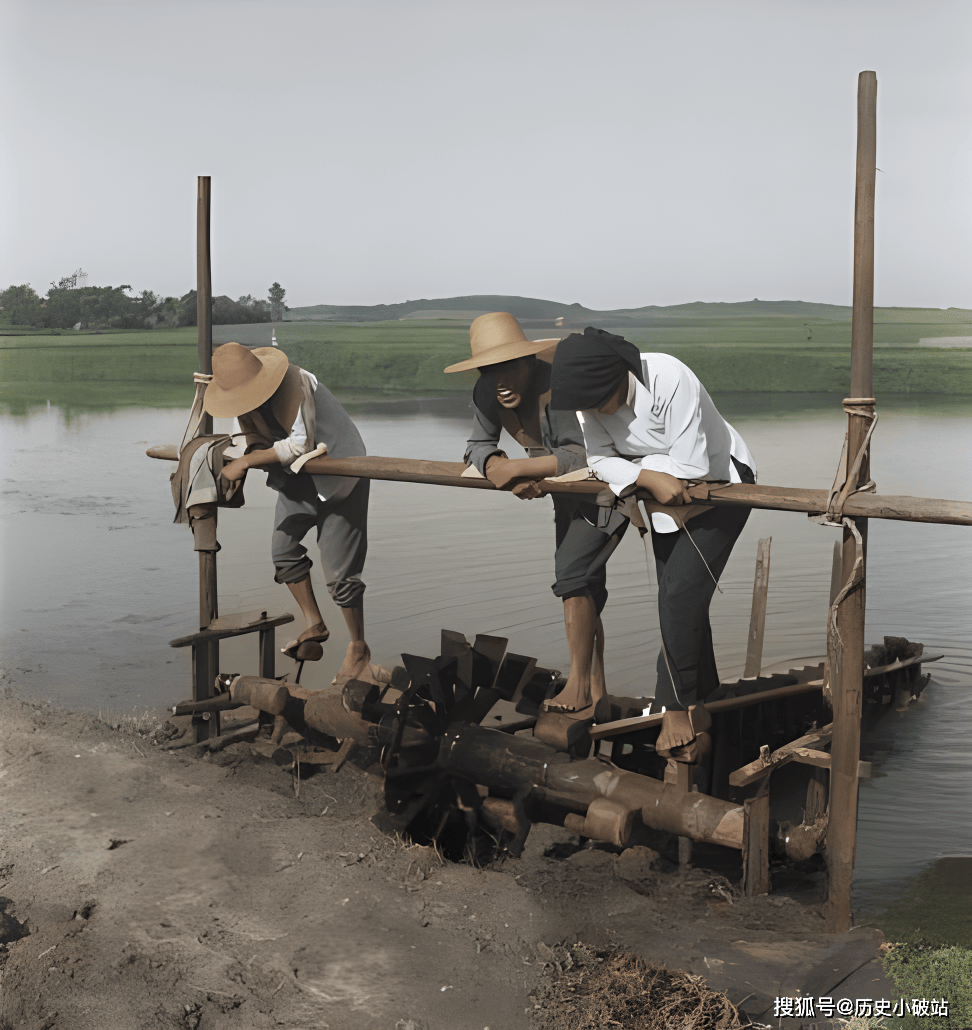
x=517, y=671
x=488, y=655
x=455, y=645
x=422, y=671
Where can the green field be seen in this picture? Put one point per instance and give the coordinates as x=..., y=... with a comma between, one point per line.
x=742, y=352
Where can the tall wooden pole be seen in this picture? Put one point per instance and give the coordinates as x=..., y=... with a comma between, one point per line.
x=205, y=656
x=847, y=694
x=204, y=287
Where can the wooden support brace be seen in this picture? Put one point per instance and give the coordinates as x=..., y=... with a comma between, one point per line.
x=767, y=762
x=757, y=620
x=644, y=722
x=821, y=759
x=755, y=849
x=680, y=774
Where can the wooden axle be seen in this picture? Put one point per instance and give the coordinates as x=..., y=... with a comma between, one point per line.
x=608, y=797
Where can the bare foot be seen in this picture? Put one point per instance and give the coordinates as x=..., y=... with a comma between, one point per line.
x=356, y=665
x=570, y=699
x=318, y=633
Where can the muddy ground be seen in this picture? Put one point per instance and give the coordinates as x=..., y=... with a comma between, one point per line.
x=151, y=888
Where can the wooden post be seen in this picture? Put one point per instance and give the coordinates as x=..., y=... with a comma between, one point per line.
x=757, y=621
x=267, y=654
x=755, y=849
x=846, y=749
x=836, y=569
x=204, y=288
x=206, y=656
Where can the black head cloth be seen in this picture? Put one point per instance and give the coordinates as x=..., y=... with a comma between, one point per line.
x=588, y=368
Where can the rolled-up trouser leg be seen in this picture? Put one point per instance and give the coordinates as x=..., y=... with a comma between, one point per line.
x=293, y=519
x=685, y=590
x=583, y=549
x=343, y=538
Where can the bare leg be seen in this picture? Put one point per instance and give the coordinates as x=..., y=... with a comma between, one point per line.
x=357, y=662
x=304, y=595
x=580, y=622
x=598, y=685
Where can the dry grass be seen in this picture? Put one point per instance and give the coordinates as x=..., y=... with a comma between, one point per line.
x=142, y=724
x=589, y=990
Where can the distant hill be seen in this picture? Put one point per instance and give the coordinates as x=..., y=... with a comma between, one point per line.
x=536, y=310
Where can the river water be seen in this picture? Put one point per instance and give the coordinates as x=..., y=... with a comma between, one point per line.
x=97, y=579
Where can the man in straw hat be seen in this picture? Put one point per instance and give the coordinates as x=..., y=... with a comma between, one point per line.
x=513, y=393
x=287, y=415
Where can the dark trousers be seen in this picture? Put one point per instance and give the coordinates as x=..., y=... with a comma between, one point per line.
x=685, y=590
x=580, y=562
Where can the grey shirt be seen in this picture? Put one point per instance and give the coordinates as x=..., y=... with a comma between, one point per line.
x=561, y=433
x=333, y=427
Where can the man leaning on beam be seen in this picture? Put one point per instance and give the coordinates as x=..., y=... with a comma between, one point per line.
x=513, y=393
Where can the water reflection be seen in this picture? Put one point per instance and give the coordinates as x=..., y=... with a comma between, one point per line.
x=96, y=579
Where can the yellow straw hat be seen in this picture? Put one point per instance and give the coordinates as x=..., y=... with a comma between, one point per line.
x=243, y=379
x=498, y=337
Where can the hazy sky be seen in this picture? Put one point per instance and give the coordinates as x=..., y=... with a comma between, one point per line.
x=610, y=152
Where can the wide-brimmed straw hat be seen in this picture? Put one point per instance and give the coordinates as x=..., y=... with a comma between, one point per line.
x=243, y=379
x=498, y=337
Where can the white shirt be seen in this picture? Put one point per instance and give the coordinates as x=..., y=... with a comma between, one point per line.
x=291, y=448
x=668, y=425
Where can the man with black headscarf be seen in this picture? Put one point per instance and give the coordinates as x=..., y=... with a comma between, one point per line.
x=513, y=393
x=649, y=423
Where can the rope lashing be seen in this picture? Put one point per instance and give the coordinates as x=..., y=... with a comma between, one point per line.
x=845, y=482
x=200, y=379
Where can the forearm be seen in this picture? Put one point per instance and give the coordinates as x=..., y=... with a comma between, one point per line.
x=478, y=453
x=529, y=468
x=664, y=488
x=260, y=458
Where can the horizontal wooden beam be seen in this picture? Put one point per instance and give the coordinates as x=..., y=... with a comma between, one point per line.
x=645, y=722
x=777, y=498
x=744, y=495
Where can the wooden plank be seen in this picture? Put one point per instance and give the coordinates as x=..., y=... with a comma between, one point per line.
x=220, y=634
x=763, y=765
x=821, y=759
x=644, y=722
x=755, y=850
x=902, y=663
x=757, y=619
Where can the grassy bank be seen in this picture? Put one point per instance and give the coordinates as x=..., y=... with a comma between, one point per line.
x=732, y=354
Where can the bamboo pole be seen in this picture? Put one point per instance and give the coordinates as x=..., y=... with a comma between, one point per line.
x=846, y=748
x=205, y=654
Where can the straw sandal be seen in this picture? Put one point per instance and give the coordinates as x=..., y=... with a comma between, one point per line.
x=307, y=647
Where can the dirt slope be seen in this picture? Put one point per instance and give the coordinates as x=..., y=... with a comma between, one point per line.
x=159, y=890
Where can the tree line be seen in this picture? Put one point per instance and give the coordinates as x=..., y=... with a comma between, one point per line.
x=69, y=304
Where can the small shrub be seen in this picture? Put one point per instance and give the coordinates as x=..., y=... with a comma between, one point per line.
x=922, y=971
